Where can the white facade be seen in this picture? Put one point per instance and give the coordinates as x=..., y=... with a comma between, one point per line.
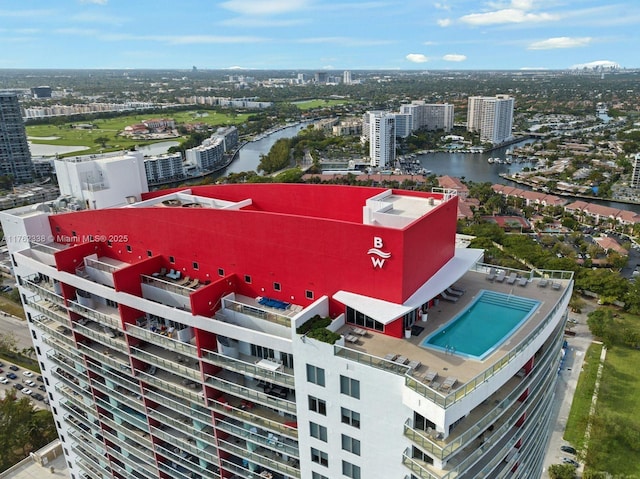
x=379, y=127
x=102, y=181
x=346, y=77
x=492, y=117
x=404, y=122
x=207, y=157
x=164, y=167
x=430, y=116
x=635, y=176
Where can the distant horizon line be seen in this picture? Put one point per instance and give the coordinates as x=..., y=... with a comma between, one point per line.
x=232, y=69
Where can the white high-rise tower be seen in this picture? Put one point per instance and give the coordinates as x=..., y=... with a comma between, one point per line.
x=379, y=127
x=492, y=117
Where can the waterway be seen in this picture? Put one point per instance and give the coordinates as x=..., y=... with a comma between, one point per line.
x=469, y=166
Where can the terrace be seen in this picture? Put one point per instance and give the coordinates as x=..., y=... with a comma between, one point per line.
x=383, y=352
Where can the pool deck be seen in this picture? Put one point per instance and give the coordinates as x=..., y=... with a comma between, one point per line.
x=451, y=365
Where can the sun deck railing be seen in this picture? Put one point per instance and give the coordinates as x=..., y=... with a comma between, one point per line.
x=469, y=387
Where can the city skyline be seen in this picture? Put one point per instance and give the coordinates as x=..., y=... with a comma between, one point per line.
x=309, y=34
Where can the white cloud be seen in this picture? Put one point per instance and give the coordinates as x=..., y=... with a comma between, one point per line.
x=441, y=6
x=346, y=41
x=507, y=15
x=99, y=18
x=454, y=57
x=263, y=7
x=430, y=43
x=181, y=39
x=26, y=13
x=417, y=58
x=444, y=22
x=95, y=2
x=257, y=22
x=560, y=42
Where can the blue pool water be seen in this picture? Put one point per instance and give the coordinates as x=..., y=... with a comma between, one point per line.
x=478, y=330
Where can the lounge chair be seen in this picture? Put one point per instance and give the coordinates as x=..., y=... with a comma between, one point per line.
x=446, y=297
x=512, y=278
x=413, y=365
x=457, y=288
x=543, y=283
x=430, y=376
x=500, y=276
x=351, y=338
x=556, y=286
x=391, y=357
x=448, y=383
x=523, y=281
x=401, y=360
x=359, y=331
x=454, y=292
x=193, y=284
x=492, y=274
x=184, y=281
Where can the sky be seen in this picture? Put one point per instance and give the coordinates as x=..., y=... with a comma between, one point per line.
x=319, y=34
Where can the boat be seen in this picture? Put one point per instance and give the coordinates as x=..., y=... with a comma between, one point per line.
x=490, y=160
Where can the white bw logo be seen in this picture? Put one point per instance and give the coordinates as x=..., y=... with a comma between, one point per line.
x=378, y=257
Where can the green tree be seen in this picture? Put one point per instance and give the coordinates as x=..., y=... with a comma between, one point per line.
x=102, y=141
x=562, y=471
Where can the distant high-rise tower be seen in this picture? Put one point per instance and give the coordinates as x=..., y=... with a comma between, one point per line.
x=381, y=133
x=430, y=116
x=491, y=116
x=346, y=77
x=15, y=157
x=635, y=177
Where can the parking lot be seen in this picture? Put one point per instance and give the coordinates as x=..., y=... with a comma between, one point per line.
x=25, y=383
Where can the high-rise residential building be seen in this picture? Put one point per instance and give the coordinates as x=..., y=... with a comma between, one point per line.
x=430, y=116
x=404, y=121
x=379, y=128
x=635, y=176
x=15, y=157
x=255, y=336
x=209, y=156
x=492, y=117
x=346, y=77
x=164, y=168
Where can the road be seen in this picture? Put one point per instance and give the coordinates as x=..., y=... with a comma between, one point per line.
x=566, y=387
x=19, y=328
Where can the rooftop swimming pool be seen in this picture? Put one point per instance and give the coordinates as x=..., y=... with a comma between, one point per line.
x=486, y=323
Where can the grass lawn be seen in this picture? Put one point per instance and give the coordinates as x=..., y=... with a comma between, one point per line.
x=110, y=127
x=11, y=307
x=309, y=104
x=579, y=414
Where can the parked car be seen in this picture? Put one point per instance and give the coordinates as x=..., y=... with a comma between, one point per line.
x=30, y=383
x=567, y=460
x=12, y=376
x=568, y=449
x=39, y=378
x=42, y=388
x=26, y=391
x=18, y=386
x=37, y=396
x=13, y=367
x=4, y=380
x=28, y=374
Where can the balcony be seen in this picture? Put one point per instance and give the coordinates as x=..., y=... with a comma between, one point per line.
x=152, y=332
x=60, y=335
x=105, y=355
x=258, y=368
x=256, y=415
x=263, y=457
x=50, y=310
x=185, y=460
x=99, y=270
x=44, y=289
x=185, y=426
x=44, y=252
x=235, y=305
x=153, y=355
x=269, y=441
x=229, y=382
x=172, y=384
x=104, y=335
x=131, y=433
x=175, y=403
x=104, y=315
x=166, y=291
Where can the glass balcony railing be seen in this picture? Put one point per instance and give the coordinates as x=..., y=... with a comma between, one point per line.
x=251, y=394
x=185, y=460
x=369, y=360
x=254, y=418
x=50, y=328
x=186, y=428
x=277, y=445
x=248, y=369
x=158, y=339
x=195, y=412
x=277, y=465
x=44, y=292
x=102, y=318
x=102, y=337
x=257, y=312
x=127, y=432
x=51, y=311
x=168, y=365
x=171, y=387
x=105, y=359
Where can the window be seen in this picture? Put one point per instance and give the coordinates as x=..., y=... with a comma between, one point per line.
x=318, y=431
x=315, y=375
x=350, y=417
x=287, y=360
x=319, y=457
x=315, y=475
x=360, y=319
x=172, y=260
x=350, y=387
x=262, y=352
x=220, y=272
x=350, y=470
x=277, y=287
x=247, y=279
x=33, y=333
x=317, y=405
x=308, y=294
x=128, y=248
x=38, y=351
x=149, y=253
x=350, y=444
x=196, y=266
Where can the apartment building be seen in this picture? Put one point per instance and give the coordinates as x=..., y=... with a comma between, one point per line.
x=379, y=128
x=164, y=167
x=430, y=116
x=15, y=156
x=492, y=117
x=207, y=157
x=230, y=332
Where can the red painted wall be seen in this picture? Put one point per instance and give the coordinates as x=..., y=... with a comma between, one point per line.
x=299, y=252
